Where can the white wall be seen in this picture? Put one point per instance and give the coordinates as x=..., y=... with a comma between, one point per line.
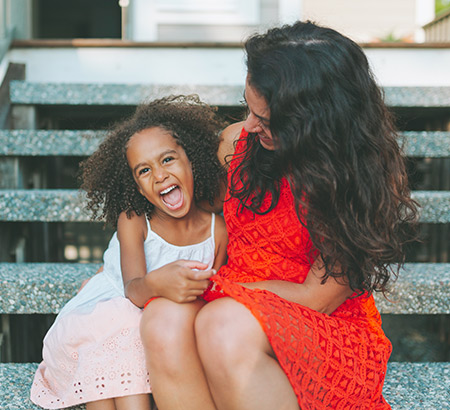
x=225, y=66
x=371, y=20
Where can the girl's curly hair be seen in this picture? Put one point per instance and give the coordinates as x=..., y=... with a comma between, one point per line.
x=337, y=144
x=107, y=178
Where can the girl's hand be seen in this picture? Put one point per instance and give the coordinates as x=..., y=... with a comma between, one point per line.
x=179, y=281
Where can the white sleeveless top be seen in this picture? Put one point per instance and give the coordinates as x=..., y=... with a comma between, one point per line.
x=108, y=284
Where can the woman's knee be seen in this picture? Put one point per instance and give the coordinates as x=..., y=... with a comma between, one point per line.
x=228, y=334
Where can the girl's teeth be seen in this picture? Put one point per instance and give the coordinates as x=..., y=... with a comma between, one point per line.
x=166, y=191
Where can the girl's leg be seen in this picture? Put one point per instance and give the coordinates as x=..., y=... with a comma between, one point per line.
x=176, y=374
x=240, y=365
x=107, y=404
x=134, y=402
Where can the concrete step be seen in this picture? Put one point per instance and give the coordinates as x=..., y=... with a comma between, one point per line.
x=66, y=205
x=30, y=93
x=15, y=384
x=422, y=288
x=430, y=144
x=34, y=93
x=408, y=386
x=49, y=142
x=40, y=287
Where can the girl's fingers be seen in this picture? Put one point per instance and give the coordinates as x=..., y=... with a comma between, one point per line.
x=200, y=274
x=193, y=264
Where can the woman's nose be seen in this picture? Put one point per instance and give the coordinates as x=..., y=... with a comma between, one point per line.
x=252, y=124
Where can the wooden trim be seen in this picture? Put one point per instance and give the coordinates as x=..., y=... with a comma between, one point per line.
x=108, y=43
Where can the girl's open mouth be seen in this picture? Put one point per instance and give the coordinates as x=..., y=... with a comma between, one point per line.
x=172, y=197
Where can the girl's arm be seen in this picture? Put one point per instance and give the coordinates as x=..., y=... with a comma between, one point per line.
x=221, y=240
x=324, y=298
x=226, y=148
x=176, y=281
x=228, y=138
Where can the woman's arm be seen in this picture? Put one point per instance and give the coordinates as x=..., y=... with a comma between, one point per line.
x=176, y=281
x=324, y=298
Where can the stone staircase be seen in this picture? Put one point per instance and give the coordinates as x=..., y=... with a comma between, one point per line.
x=27, y=197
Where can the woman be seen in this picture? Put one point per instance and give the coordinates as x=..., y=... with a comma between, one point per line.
x=315, y=210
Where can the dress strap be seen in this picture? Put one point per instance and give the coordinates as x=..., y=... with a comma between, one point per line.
x=213, y=219
x=149, y=227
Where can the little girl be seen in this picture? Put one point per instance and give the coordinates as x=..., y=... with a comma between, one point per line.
x=147, y=178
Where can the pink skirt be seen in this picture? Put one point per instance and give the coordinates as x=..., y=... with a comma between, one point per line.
x=92, y=356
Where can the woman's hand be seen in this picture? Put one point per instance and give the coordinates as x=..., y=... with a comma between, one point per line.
x=180, y=281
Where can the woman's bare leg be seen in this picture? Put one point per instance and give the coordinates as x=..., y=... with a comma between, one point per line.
x=176, y=374
x=241, y=368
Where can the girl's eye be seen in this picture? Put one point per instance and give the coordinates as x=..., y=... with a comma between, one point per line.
x=143, y=171
x=167, y=159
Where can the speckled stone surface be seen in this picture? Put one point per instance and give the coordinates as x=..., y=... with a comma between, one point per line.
x=408, y=386
x=40, y=287
x=417, y=96
x=64, y=142
x=421, y=288
x=424, y=386
x=43, y=205
x=22, y=92
x=435, y=206
x=426, y=143
x=15, y=383
x=68, y=205
x=43, y=142
x=46, y=287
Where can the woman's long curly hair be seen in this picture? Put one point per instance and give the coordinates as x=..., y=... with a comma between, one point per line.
x=337, y=145
x=107, y=178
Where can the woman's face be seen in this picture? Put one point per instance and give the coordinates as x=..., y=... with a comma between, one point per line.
x=258, y=119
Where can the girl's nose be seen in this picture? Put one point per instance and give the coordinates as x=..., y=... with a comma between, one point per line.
x=160, y=174
x=252, y=124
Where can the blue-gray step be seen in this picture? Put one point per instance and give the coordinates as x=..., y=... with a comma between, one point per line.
x=430, y=144
x=66, y=205
x=31, y=93
x=422, y=288
x=408, y=386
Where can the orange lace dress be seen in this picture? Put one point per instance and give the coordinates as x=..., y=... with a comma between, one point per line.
x=335, y=361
